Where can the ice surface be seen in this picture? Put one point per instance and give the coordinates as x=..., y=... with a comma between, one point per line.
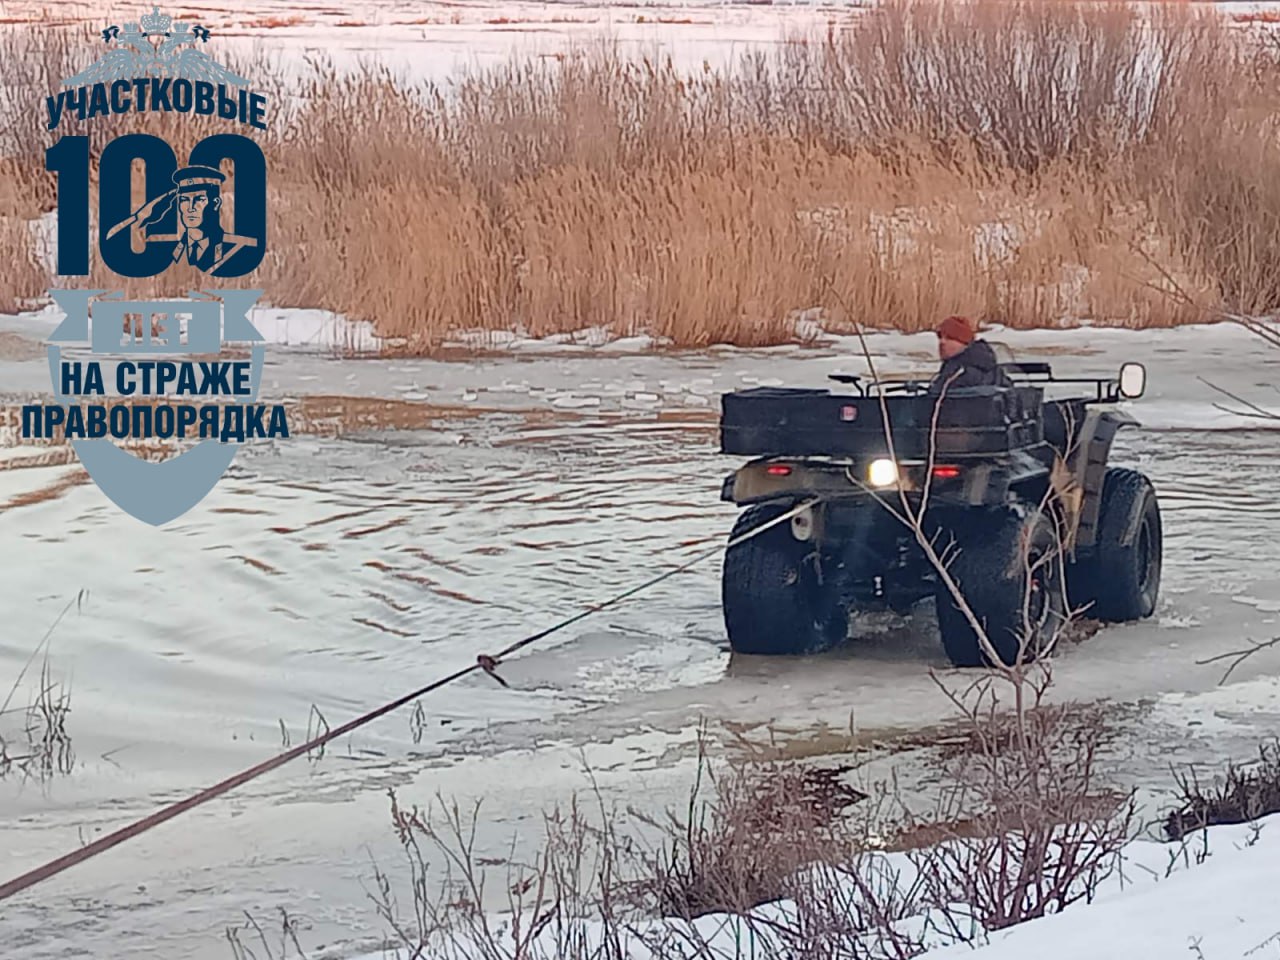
x=428, y=40
x=341, y=571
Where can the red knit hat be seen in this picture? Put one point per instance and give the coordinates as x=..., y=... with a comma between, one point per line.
x=959, y=329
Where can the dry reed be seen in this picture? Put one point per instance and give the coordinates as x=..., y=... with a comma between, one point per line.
x=1032, y=164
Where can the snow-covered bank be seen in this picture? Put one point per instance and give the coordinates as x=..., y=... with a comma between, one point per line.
x=1226, y=908
x=1212, y=896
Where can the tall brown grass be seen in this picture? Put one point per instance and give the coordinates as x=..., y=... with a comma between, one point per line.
x=1033, y=164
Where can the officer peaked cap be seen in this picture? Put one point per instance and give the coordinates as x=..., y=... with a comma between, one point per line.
x=197, y=176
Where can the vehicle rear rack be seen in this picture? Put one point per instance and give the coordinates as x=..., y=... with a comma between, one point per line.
x=1108, y=388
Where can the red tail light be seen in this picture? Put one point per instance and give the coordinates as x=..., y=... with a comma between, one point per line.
x=946, y=471
x=778, y=470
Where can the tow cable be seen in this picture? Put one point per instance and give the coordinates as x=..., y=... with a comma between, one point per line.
x=488, y=664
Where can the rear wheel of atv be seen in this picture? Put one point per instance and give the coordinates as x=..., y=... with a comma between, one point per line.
x=1009, y=572
x=1121, y=581
x=773, y=592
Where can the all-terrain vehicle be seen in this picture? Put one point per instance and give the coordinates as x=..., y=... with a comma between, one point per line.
x=995, y=501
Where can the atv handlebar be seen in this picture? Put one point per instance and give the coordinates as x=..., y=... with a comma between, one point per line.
x=911, y=387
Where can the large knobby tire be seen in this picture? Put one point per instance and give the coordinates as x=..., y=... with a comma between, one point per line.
x=1123, y=579
x=773, y=594
x=1009, y=570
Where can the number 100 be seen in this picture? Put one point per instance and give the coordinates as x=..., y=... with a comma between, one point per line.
x=69, y=160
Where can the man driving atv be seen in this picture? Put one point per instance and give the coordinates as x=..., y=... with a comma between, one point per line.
x=966, y=360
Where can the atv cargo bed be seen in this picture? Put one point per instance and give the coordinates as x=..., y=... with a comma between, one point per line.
x=785, y=422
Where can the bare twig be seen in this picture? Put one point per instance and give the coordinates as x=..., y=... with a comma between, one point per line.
x=1253, y=410
x=1238, y=657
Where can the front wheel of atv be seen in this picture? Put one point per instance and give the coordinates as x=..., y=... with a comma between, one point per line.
x=776, y=598
x=1008, y=569
x=1122, y=576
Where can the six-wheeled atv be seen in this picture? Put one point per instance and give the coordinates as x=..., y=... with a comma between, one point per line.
x=1024, y=522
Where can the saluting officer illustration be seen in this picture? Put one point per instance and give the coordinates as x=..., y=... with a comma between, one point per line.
x=200, y=225
x=200, y=240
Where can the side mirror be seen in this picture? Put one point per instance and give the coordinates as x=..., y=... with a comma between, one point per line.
x=1132, y=380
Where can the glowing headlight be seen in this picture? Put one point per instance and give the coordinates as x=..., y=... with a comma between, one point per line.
x=882, y=473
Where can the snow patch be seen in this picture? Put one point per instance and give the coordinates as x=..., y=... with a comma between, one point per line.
x=585, y=340
x=315, y=329
x=1215, y=894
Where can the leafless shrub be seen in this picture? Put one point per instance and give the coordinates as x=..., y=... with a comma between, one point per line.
x=1025, y=826
x=762, y=825
x=591, y=893
x=1244, y=793
x=570, y=902
x=772, y=858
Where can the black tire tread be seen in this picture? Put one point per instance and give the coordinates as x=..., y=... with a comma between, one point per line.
x=1115, y=581
x=767, y=610
x=981, y=569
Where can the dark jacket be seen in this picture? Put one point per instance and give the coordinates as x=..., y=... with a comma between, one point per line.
x=975, y=366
